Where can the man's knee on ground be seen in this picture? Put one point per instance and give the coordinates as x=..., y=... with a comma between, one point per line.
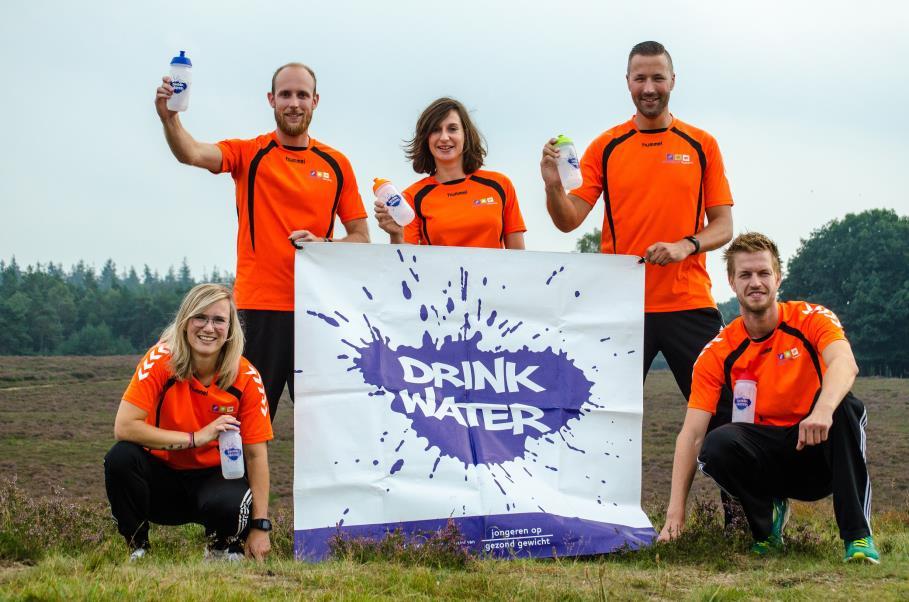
x=717, y=446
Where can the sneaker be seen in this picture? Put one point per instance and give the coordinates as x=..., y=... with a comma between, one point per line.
x=781, y=511
x=138, y=554
x=862, y=550
x=767, y=546
x=232, y=553
x=774, y=543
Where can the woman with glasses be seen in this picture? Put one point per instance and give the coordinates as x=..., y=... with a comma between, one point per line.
x=165, y=467
x=457, y=203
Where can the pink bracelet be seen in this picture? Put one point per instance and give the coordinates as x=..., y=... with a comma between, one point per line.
x=192, y=440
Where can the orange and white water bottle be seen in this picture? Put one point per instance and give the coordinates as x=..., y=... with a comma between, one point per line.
x=398, y=208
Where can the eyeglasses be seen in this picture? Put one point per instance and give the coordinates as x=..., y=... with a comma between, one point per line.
x=201, y=320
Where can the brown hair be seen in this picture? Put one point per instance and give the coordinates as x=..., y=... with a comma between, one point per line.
x=751, y=242
x=195, y=302
x=417, y=148
x=649, y=48
x=300, y=65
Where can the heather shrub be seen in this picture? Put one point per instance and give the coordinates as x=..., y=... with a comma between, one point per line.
x=31, y=527
x=443, y=548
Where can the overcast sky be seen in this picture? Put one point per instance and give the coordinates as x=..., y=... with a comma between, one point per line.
x=806, y=99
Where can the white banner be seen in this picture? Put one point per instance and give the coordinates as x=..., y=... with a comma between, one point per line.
x=502, y=389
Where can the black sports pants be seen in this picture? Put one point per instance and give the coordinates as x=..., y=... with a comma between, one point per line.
x=142, y=489
x=270, y=348
x=757, y=463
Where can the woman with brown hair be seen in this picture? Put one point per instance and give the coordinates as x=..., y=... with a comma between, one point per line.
x=165, y=467
x=457, y=204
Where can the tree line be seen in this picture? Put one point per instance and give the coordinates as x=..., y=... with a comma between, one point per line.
x=47, y=310
x=857, y=266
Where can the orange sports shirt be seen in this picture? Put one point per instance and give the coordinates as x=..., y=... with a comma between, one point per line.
x=476, y=211
x=281, y=189
x=787, y=362
x=188, y=406
x=657, y=185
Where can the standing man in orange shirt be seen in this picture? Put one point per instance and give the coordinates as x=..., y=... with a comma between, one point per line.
x=804, y=437
x=660, y=179
x=290, y=187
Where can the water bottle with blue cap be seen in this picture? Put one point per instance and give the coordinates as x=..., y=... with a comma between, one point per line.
x=181, y=79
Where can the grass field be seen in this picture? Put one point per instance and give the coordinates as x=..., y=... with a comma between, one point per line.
x=57, y=541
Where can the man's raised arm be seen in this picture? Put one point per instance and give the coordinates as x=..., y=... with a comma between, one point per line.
x=185, y=148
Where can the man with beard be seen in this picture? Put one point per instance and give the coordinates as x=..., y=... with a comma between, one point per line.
x=659, y=178
x=290, y=188
x=806, y=439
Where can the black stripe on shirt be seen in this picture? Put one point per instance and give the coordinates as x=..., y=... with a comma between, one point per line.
x=731, y=359
x=340, y=178
x=418, y=208
x=702, y=160
x=501, y=192
x=791, y=330
x=606, y=152
x=167, y=385
x=251, y=191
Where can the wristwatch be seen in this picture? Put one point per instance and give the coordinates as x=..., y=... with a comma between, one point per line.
x=262, y=524
x=697, y=244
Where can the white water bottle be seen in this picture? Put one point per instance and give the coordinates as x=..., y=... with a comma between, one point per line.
x=181, y=78
x=398, y=207
x=744, y=396
x=569, y=164
x=230, y=444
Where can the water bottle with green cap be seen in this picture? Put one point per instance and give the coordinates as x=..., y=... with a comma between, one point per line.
x=569, y=165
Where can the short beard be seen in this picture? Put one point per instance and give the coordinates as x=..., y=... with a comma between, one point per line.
x=293, y=130
x=759, y=310
x=656, y=112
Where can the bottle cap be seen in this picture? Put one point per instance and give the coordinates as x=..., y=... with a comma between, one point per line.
x=745, y=374
x=181, y=60
x=377, y=183
x=563, y=139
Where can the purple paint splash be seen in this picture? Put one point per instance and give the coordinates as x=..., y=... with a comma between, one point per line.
x=326, y=319
x=479, y=407
x=554, y=272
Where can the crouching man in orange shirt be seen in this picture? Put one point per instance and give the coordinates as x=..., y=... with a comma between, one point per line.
x=806, y=438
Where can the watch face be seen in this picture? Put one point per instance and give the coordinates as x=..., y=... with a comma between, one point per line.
x=263, y=524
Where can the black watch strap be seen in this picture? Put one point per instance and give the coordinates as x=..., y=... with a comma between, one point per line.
x=696, y=243
x=262, y=524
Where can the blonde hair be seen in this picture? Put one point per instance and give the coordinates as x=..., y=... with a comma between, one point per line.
x=196, y=301
x=751, y=242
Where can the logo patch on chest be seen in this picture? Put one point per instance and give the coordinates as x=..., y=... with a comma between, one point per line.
x=320, y=175
x=487, y=201
x=788, y=355
x=217, y=409
x=678, y=159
